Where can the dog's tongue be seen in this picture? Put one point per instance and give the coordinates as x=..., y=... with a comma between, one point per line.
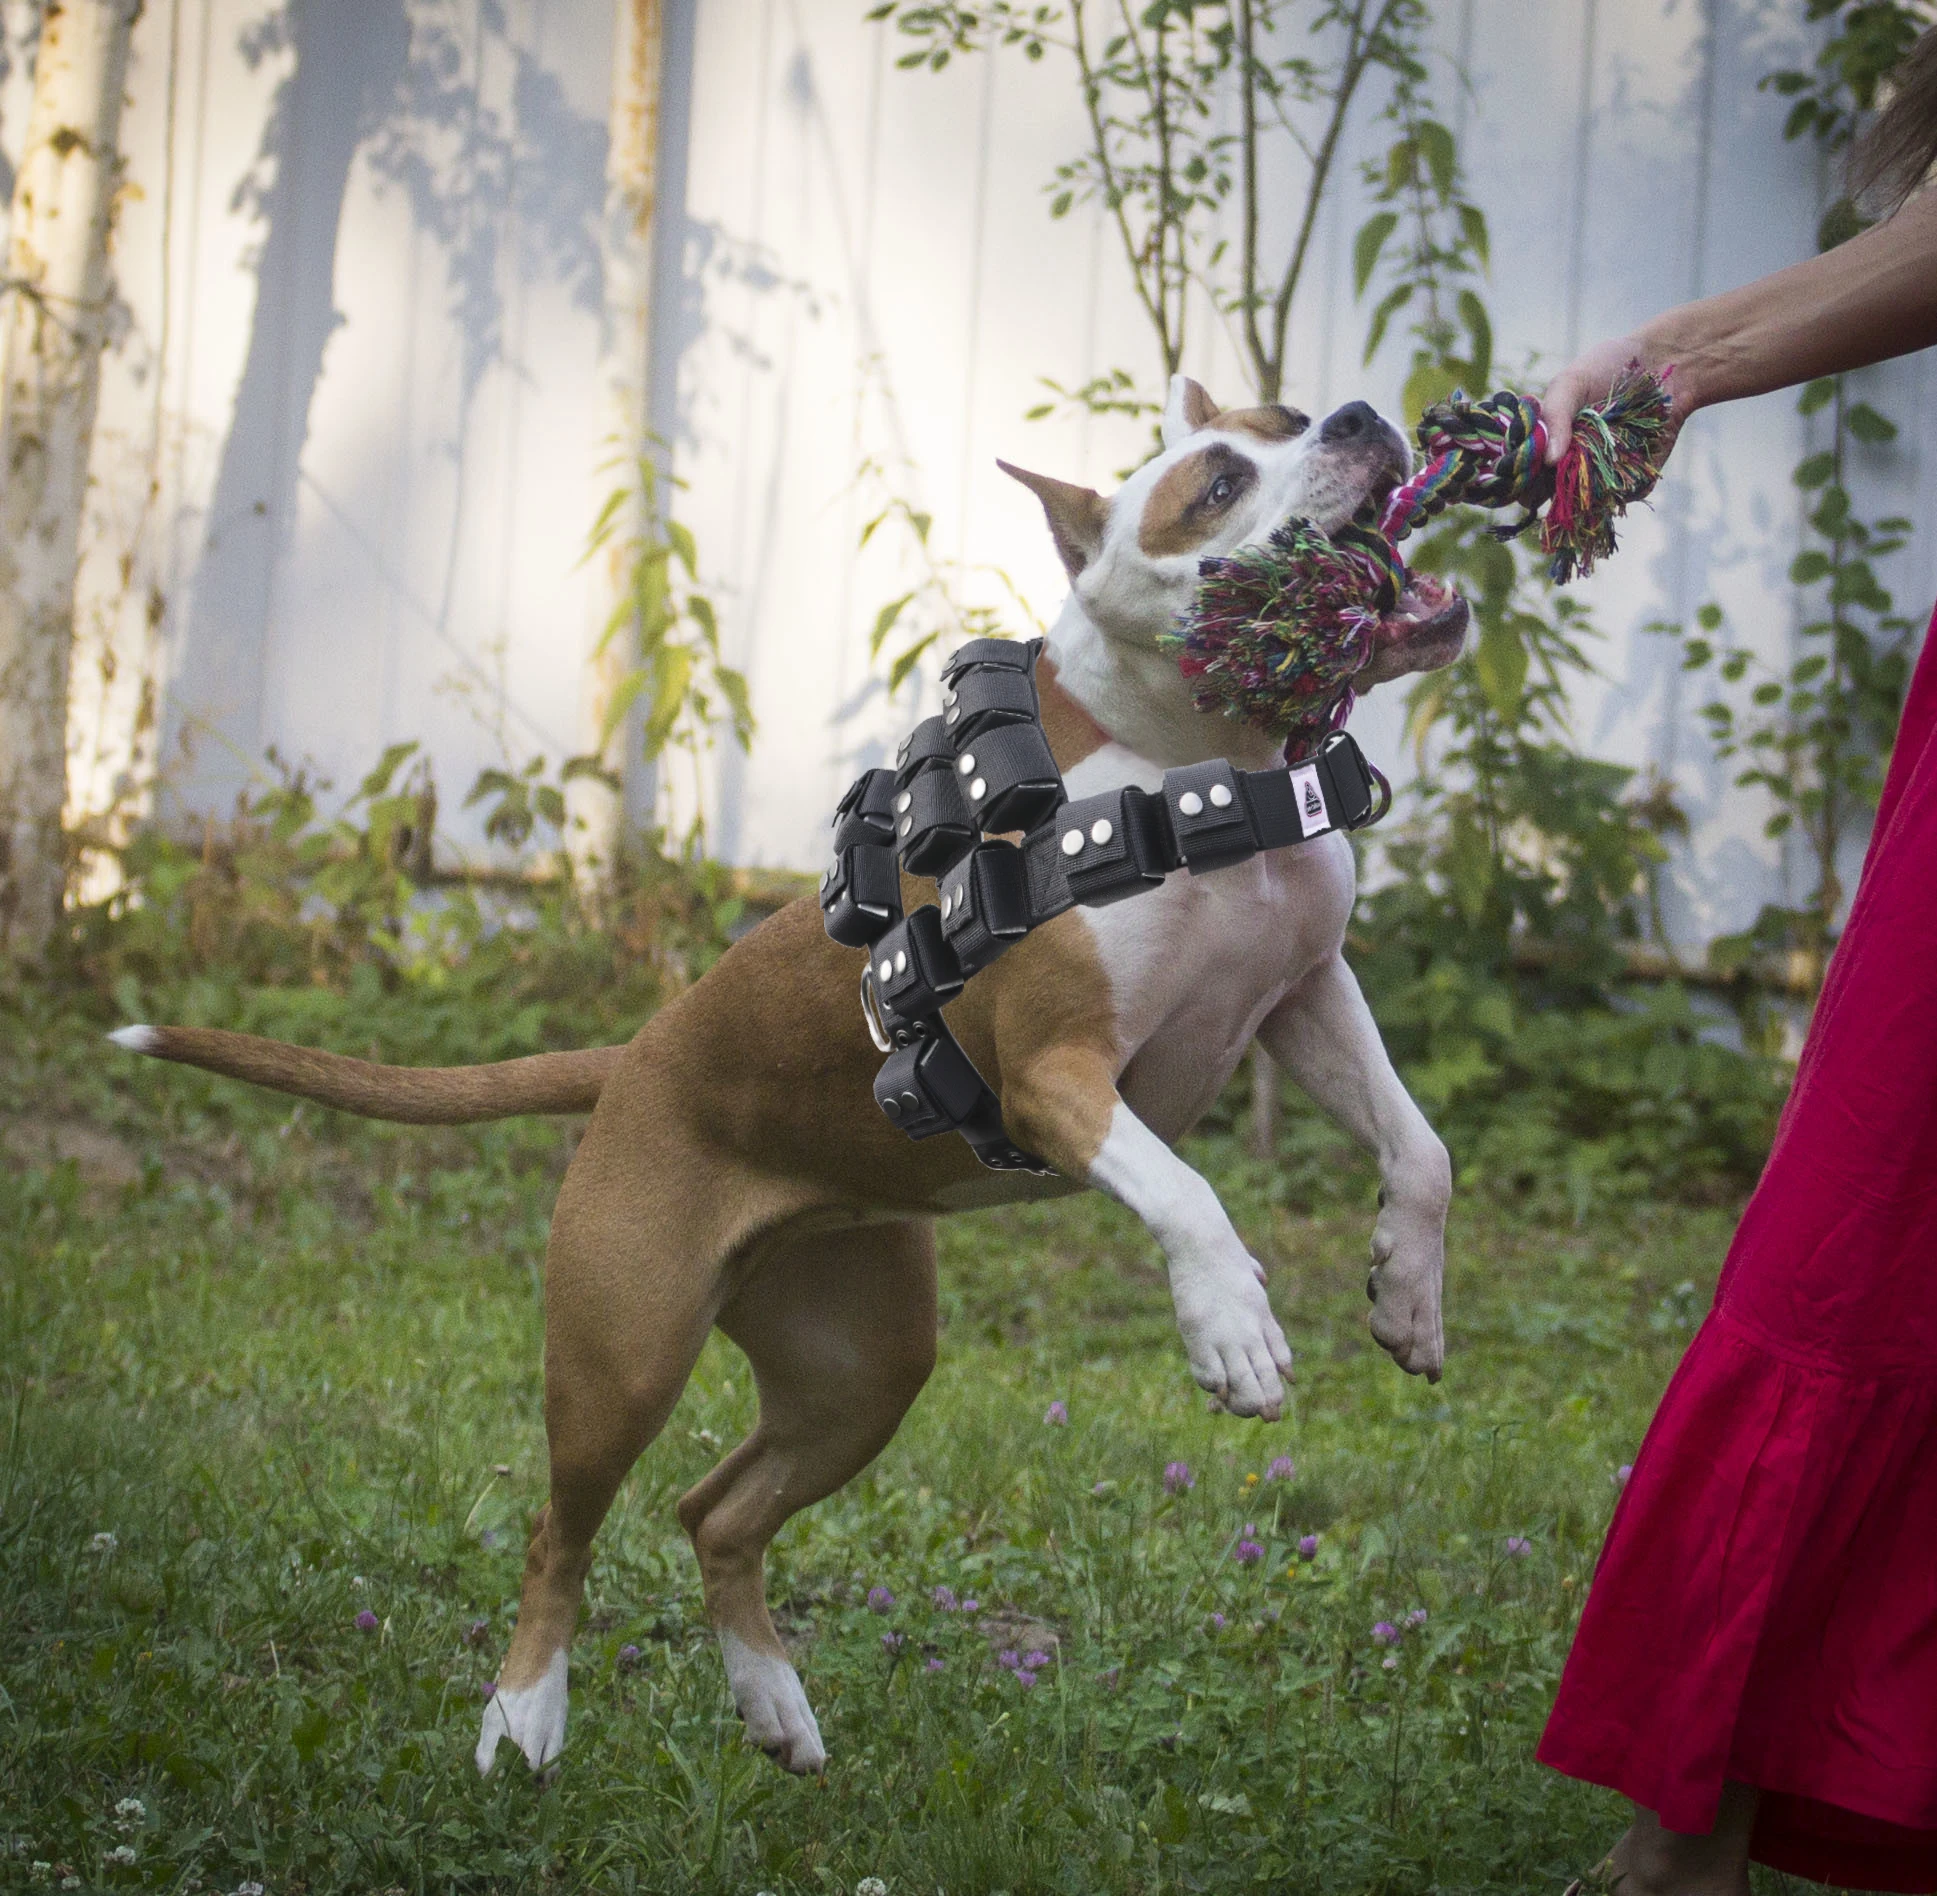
x=1422, y=599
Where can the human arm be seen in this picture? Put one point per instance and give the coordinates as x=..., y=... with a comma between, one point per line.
x=1867, y=300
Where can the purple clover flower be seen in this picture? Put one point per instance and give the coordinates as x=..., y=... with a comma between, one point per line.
x=1178, y=1478
x=1217, y=1622
x=1036, y=1660
x=1025, y=1678
x=880, y=1600
x=628, y=1657
x=490, y=1688
x=892, y=1643
x=1518, y=1546
x=1308, y=1547
x=1008, y=1660
x=934, y=1665
x=1282, y=1468
x=1417, y=1617
x=1056, y=1416
x=944, y=1600
x=366, y=1621
x=1247, y=1553
x=971, y=1606
x=1386, y=1634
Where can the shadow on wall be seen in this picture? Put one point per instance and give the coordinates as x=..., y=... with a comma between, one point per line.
x=401, y=83
x=348, y=62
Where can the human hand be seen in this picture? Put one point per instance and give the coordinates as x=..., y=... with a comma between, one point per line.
x=1588, y=378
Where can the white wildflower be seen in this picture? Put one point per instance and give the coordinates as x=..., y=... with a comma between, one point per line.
x=122, y=1853
x=103, y=1543
x=130, y=1811
x=870, y=1886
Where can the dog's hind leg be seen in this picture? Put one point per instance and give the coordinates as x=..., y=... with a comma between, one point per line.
x=839, y=1328
x=633, y=1282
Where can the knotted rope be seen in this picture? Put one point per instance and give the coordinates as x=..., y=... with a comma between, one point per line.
x=1275, y=634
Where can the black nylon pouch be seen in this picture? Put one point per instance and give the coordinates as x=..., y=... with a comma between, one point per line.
x=1113, y=845
x=913, y=968
x=1010, y=778
x=985, y=904
x=1002, y=654
x=1208, y=815
x=984, y=698
x=934, y=826
x=928, y=743
x=861, y=890
x=1351, y=789
x=861, y=894
x=928, y=1087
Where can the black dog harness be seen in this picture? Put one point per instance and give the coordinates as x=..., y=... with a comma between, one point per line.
x=964, y=781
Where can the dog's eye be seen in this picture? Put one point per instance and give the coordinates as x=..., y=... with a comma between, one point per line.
x=1223, y=489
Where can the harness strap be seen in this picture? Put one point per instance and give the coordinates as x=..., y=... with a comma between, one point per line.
x=983, y=764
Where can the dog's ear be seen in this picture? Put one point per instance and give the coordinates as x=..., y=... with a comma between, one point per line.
x=1077, y=515
x=1189, y=408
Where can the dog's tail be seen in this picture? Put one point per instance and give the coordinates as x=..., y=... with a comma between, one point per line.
x=422, y=1096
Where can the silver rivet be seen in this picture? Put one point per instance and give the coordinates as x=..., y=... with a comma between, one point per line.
x=961, y=896
x=978, y=790
x=948, y=906
x=910, y=1103
x=903, y=801
x=901, y=962
x=1221, y=795
x=954, y=711
x=892, y=1107
x=1190, y=803
x=1101, y=831
x=907, y=823
x=1072, y=842
x=886, y=970
x=967, y=765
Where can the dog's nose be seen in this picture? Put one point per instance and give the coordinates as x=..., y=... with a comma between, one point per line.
x=1356, y=421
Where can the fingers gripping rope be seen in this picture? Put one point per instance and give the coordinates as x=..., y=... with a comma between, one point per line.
x=1276, y=633
x=1493, y=453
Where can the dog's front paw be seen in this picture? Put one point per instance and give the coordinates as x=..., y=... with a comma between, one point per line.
x=1235, y=1347
x=1408, y=1262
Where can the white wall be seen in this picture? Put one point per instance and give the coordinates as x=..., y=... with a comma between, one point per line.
x=349, y=443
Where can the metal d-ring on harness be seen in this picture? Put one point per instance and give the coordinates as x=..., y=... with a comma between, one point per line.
x=966, y=779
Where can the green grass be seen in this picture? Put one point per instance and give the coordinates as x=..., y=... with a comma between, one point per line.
x=280, y=1365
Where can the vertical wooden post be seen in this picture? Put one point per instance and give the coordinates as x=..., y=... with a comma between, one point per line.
x=54, y=303
x=1264, y=1103
x=631, y=177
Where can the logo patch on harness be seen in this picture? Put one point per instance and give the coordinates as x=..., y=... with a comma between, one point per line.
x=1311, y=800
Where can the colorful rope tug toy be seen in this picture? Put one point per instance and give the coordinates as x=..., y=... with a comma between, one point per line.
x=1275, y=634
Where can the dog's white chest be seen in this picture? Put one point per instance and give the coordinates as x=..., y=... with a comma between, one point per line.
x=1195, y=965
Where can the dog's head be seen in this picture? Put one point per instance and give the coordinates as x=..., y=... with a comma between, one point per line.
x=1224, y=479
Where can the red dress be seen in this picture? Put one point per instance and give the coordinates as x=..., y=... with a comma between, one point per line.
x=1766, y=1605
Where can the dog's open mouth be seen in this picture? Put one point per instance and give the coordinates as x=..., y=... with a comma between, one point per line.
x=1425, y=630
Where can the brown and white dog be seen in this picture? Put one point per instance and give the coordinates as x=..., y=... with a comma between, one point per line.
x=737, y=1173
